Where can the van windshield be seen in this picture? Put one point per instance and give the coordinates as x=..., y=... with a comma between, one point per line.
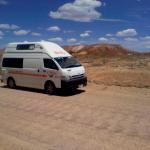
x=67, y=62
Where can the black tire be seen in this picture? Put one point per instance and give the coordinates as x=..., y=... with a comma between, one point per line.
x=11, y=83
x=50, y=88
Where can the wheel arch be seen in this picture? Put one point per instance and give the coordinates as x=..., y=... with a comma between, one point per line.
x=10, y=77
x=14, y=83
x=49, y=81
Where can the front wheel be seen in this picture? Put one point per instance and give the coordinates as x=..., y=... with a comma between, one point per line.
x=11, y=83
x=50, y=88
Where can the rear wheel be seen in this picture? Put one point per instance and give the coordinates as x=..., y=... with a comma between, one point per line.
x=11, y=83
x=50, y=88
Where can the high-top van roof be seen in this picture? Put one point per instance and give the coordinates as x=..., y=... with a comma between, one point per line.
x=52, y=49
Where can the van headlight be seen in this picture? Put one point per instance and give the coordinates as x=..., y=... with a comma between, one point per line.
x=66, y=78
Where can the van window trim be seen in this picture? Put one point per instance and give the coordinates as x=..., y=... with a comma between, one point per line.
x=12, y=67
x=53, y=61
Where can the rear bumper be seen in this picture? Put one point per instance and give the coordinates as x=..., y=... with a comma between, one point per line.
x=74, y=83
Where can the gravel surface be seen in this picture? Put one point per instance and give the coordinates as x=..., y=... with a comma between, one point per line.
x=97, y=117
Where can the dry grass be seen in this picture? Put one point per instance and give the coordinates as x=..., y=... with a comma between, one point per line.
x=120, y=71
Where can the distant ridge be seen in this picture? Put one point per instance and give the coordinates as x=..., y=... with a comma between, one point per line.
x=98, y=50
x=1, y=51
x=101, y=50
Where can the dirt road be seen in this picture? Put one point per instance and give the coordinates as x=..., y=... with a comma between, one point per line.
x=99, y=118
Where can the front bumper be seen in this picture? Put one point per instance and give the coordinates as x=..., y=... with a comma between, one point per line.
x=1, y=80
x=74, y=83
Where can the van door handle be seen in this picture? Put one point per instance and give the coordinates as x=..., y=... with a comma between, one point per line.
x=38, y=70
x=44, y=70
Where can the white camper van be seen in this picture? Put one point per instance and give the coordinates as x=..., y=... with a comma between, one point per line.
x=41, y=65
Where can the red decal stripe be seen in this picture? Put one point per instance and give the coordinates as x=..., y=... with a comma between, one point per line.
x=29, y=74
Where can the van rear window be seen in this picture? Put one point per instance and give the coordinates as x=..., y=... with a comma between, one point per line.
x=13, y=62
x=25, y=47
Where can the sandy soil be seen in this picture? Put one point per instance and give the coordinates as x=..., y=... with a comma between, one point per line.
x=98, y=117
x=124, y=72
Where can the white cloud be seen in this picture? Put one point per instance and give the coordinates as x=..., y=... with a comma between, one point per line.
x=56, y=39
x=68, y=31
x=36, y=34
x=54, y=28
x=79, y=10
x=3, y=2
x=146, y=38
x=1, y=33
x=113, y=39
x=88, y=31
x=132, y=43
x=103, y=39
x=109, y=35
x=71, y=40
x=127, y=33
x=112, y=20
x=4, y=26
x=131, y=39
x=9, y=26
x=135, y=43
x=83, y=35
x=21, y=32
x=13, y=27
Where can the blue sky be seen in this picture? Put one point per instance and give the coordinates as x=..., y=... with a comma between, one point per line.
x=69, y=22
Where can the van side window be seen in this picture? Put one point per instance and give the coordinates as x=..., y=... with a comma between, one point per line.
x=13, y=62
x=49, y=63
x=33, y=63
x=25, y=47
